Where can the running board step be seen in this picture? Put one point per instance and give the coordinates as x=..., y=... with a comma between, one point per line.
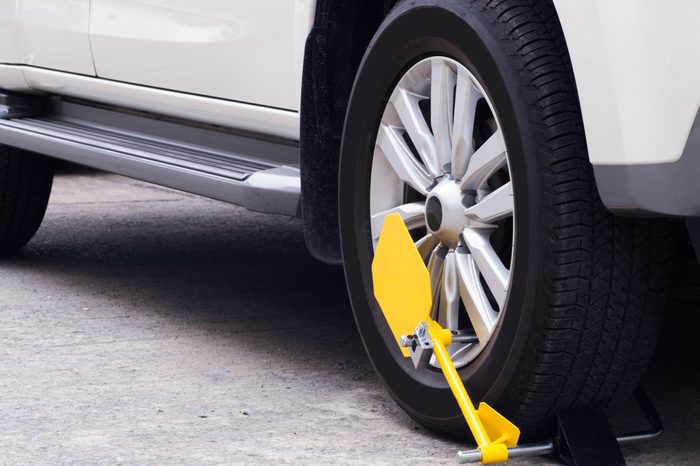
x=258, y=174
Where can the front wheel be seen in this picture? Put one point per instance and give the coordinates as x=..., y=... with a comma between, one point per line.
x=464, y=119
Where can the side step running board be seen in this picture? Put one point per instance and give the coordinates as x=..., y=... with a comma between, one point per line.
x=257, y=174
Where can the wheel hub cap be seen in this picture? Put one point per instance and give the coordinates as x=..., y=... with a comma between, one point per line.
x=444, y=213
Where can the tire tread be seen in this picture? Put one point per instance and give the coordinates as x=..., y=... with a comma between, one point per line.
x=608, y=275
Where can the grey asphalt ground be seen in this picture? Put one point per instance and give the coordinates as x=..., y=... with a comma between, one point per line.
x=148, y=326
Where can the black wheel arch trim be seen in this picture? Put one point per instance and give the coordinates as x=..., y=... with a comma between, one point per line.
x=334, y=48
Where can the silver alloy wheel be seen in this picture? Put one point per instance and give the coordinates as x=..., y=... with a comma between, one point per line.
x=440, y=161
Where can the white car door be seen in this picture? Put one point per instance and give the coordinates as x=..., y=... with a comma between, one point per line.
x=243, y=50
x=49, y=34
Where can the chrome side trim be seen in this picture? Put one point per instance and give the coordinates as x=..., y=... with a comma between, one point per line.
x=284, y=182
x=219, y=166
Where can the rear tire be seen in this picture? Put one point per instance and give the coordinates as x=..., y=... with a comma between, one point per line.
x=25, y=187
x=588, y=288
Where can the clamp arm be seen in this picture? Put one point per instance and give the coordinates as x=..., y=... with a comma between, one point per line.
x=493, y=433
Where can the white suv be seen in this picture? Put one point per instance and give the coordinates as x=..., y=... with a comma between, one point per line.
x=527, y=144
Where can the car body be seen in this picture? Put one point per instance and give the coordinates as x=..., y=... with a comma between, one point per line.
x=260, y=104
x=241, y=67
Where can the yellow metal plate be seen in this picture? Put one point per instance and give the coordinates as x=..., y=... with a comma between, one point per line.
x=401, y=281
x=497, y=426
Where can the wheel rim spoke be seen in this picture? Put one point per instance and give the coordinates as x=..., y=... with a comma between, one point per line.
x=399, y=156
x=409, y=112
x=449, y=294
x=495, y=274
x=413, y=215
x=494, y=207
x=466, y=98
x=433, y=140
x=426, y=245
x=481, y=314
x=486, y=161
x=436, y=265
x=441, y=107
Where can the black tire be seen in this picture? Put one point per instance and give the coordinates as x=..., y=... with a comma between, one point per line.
x=584, y=311
x=25, y=187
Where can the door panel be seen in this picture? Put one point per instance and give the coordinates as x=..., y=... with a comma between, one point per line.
x=46, y=33
x=243, y=50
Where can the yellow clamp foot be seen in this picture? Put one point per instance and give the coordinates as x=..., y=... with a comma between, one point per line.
x=403, y=291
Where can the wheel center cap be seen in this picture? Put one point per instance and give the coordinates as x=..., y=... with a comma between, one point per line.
x=444, y=212
x=433, y=213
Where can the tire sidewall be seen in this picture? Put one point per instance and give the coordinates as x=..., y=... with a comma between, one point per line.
x=411, y=32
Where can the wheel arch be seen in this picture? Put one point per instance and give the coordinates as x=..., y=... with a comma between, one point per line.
x=334, y=48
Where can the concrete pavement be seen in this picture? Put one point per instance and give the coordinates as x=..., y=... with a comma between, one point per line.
x=148, y=326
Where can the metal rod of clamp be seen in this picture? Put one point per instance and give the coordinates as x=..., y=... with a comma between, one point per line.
x=549, y=447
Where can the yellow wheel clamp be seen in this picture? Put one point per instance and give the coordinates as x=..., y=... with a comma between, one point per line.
x=403, y=291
